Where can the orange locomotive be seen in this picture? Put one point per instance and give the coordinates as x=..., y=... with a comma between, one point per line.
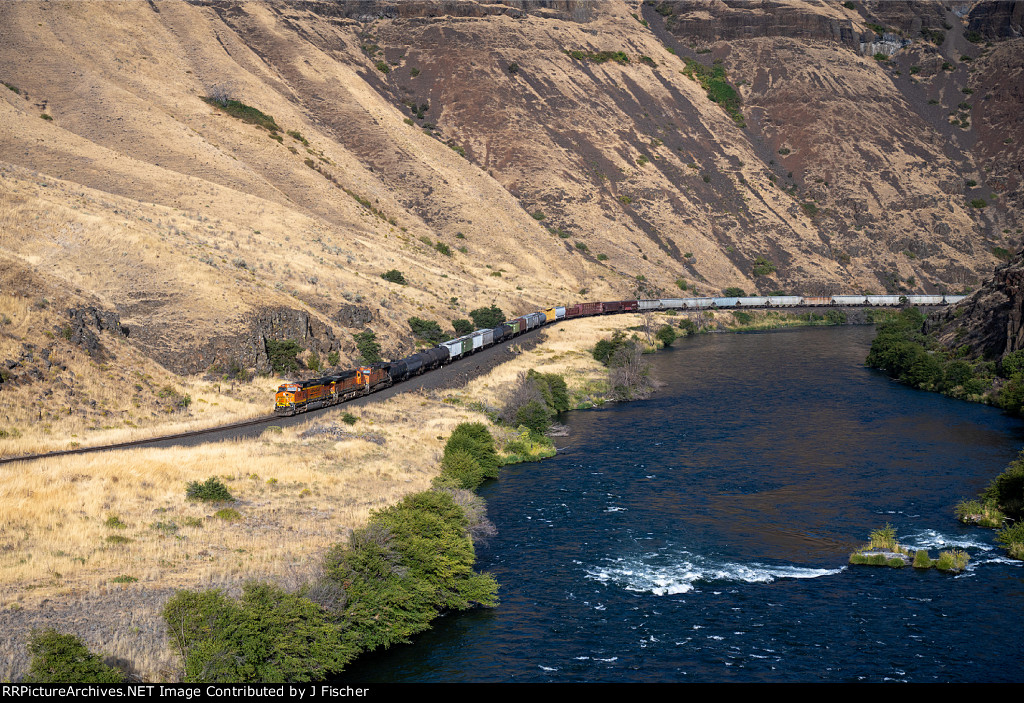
x=300, y=396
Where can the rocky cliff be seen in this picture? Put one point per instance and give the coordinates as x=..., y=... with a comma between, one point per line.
x=990, y=323
x=199, y=167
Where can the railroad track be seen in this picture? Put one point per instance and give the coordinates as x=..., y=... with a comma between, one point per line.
x=233, y=430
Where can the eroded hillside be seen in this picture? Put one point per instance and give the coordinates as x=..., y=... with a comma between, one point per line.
x=222, y=173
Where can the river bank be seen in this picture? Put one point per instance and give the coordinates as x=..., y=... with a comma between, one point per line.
x=704, y=534
x=99, y=542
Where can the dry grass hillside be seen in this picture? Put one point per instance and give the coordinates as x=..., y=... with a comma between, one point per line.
x=519, y=154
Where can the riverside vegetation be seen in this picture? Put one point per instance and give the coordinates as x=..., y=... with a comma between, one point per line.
x=903, y=350
x=269, y=594
x=411, y=562
x=882, y=549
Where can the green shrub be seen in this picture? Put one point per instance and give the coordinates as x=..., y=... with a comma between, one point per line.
x=957, y=373
x=124, y=578
x=955, y=560
x=538, y=215
x=282, y=354
x=535, y=416
x=114, y=522
x=979, y=203
x=553, y=390
x=268, y=636
x=835, y=317
x=922, y=560
x=460, y=469
x=394, y=276
x=427, y=330
x=462, y=327
x=763, y=267
x=1012, y=364
x=1011, y=395
x=976, y=512
x=666, y=334
x=734, y=292
x=874, y=560
x=605, y=349
x=333, y=358
x=475, y=439
x=228, y=515
x=349, y=418
x=241, y=111
x=58, y=658
x=1012, y=538
x=487, y=318
x=210, y=491
x=883, y=538
x=368, y=346
x=618, y=57
x=313, y=362
x=383, y=67
x=411, y=562
x=1007, y=489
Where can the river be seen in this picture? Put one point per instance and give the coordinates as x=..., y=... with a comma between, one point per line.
x=703, y=535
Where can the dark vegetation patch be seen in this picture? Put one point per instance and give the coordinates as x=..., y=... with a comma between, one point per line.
x=241, y=111
x=718, y=88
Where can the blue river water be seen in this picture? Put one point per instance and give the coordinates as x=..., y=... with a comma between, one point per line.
x=703, y=535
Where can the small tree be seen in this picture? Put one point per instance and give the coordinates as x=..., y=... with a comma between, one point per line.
x=427, y=330
x=666, y=335
x=368, y=346
x=462, y=327
x=486, y=318
x=628, y=374
x=282, y=354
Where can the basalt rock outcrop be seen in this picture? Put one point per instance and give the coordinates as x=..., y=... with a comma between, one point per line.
x=354, y=316
x=991, y=321
x=84, y=325
x=248, y=349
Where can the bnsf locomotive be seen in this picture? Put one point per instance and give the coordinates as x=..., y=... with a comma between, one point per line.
x=300, y=396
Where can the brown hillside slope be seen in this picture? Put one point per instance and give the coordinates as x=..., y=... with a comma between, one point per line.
x=556, y=151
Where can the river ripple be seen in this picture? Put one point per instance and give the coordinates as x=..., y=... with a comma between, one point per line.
x=703, y=535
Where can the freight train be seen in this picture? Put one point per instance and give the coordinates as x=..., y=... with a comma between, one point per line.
x=300, y=396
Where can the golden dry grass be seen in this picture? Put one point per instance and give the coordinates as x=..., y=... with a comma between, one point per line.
x=71, y=525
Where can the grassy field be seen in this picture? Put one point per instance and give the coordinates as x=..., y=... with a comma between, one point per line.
x=106, y=538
